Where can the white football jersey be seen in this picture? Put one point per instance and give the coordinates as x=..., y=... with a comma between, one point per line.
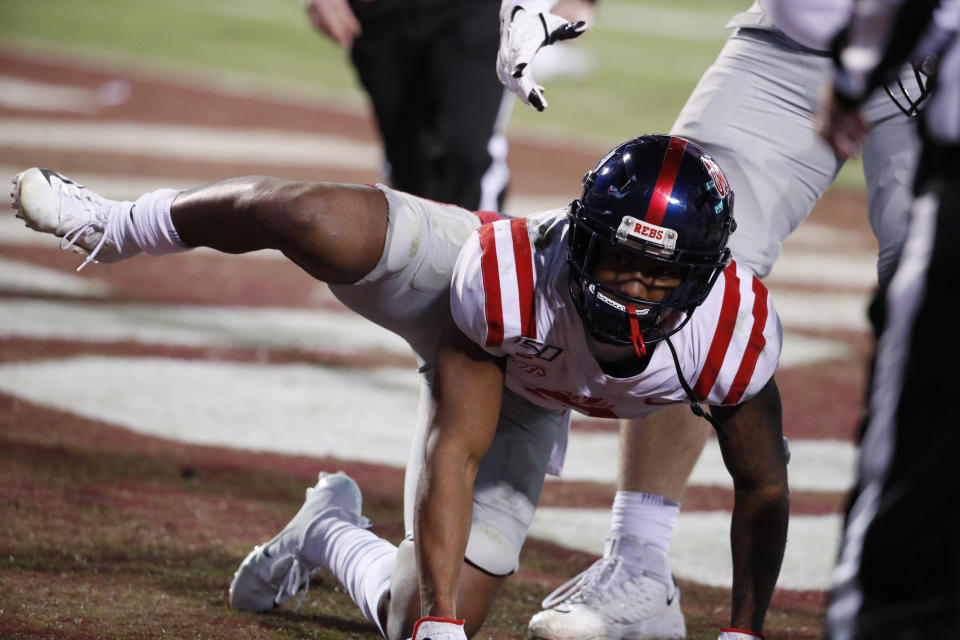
x=510, y=295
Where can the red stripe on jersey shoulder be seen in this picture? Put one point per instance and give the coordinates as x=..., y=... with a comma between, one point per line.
x=523, y=263
x=490, y=272
x=754, y=346
x=722, y=335
x=665, y=181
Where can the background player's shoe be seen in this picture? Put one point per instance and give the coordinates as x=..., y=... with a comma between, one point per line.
x=275, y=571
x=53, y=203
x=628, y=594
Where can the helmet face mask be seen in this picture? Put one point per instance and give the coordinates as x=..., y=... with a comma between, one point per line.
x=910, y=98
x=662, y=202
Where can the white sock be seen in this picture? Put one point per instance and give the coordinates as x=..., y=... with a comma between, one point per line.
x=359, y=559
x=148, y=226
x=647, y=516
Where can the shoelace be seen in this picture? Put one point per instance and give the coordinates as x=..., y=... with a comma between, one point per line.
x=592, y=586
x=579, y=587
x=95, y=222
x=296, y=580
x=70, y=238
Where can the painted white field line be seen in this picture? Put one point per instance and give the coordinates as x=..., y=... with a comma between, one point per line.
x=294, y=409
x=315, y=410
x=307, y=410
x=815, y=465
x=21, y=93
x=196, y=326
x=813, y=255
x=821, y=310
x=108, y=185
x=21, y=277
x=848, y=269
x=261, y=146
x=700, y=547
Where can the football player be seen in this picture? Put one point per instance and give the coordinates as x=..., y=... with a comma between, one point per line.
x=623, y=301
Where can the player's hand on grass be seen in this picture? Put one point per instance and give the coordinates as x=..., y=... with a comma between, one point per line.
x=525, y=28
x=334, y=18
x=438, y=629
x=738, y=634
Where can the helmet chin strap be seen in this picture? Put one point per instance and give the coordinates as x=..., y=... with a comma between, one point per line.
x=635, y=336
x=694, y=403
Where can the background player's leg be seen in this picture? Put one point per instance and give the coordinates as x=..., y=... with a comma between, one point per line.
x=472, y=170
x=673, y=433
x=890, y=153
x=390, y=59
x=334, y=232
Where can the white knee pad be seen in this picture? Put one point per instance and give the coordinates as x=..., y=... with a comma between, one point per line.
x=501, y=517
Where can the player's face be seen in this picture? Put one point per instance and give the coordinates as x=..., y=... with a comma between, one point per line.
x=636, y=276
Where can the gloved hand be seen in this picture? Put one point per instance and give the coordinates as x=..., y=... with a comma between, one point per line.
x=738, y=634
x=526, y=27
x=438, y=629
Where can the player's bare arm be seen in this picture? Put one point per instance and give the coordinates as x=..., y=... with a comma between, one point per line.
x=467, y=394
x=754, y=453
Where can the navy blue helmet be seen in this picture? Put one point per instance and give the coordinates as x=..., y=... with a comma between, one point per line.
x=664, y=199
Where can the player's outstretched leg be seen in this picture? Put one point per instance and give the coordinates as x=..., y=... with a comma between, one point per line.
x=627, y=594
x=334, y=232
x=328, y=533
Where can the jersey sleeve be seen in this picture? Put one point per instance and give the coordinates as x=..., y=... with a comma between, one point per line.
x=741, y=339
x=492, y=292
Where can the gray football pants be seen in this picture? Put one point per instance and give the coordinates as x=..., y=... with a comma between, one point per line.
x=408, y=292
x=754, y=111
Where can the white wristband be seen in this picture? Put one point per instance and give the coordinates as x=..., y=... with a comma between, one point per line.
x=738, y=634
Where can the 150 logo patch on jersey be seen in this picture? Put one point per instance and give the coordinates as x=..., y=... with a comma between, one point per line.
x=538, y=350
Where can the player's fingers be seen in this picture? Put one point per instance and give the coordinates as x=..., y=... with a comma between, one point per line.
x=567, y=31
x=533, y=92
x=536, y=100
x=335, y=19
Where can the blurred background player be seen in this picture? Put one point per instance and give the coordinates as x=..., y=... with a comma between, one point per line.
x=898, y=575
x=426, y=67
x=754, y=111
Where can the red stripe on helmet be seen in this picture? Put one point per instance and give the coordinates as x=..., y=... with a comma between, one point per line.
x=523, y=260
x=490, y=272
x=665, y=181
x=723, y=334
x=754, y=345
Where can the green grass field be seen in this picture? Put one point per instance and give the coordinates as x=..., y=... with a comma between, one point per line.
x=646, y=56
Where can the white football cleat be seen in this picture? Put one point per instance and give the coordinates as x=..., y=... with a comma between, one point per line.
x=275, y=571
x=628, y=594
x=52, y=203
